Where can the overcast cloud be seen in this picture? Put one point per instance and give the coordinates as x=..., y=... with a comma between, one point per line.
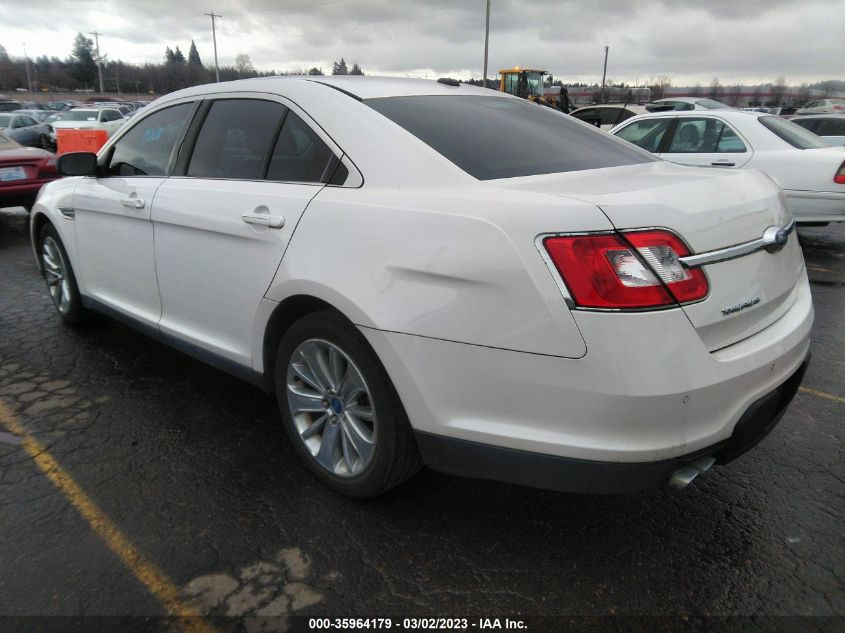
x=692, y=41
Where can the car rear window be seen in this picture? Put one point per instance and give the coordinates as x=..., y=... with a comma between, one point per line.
x=495, y=137
x=712, y=104
x=793, y=134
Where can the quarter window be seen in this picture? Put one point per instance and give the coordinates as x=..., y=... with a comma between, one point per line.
x=704, y=136
x=236, y=138
x=300, y=155
x=646, y=133
x=145, y=150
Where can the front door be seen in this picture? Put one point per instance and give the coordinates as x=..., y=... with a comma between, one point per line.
x=114, y=234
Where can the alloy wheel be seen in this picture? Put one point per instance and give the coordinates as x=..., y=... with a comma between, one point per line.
x=331, y=407
x=56, y=274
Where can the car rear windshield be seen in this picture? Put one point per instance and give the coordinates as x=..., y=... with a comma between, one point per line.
x=712, y=104
x=793, y=134
x=495, y=137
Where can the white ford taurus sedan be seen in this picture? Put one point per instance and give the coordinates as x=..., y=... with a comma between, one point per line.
x=430, y=273
x=810, y=171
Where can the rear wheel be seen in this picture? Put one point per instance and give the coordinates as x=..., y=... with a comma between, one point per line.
x=57, y=272
x=340, y=409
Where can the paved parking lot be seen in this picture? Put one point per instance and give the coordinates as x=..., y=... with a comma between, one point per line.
x=134, y=480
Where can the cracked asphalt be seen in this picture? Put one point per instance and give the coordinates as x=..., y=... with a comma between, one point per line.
x=194, y=468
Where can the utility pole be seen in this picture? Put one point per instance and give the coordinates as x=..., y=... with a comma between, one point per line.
x=604, y=74
x=116, y=79
x=99, y=64
x=26, y=61
x=486, y=41
x=213, y=15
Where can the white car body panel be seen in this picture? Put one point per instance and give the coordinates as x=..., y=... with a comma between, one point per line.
x=213, y=268
x=806, y=176
x=114, y=244
x=441, y=273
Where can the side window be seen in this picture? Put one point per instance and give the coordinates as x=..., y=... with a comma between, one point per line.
x=612, y=116
x=646, y=133
x=688, y=137
x=300, y=155
x=235, y=139
x=26, y=121
x=808, y=124
x=704, y=136
x=728, y=141
x=145, y=150
x=831, y=127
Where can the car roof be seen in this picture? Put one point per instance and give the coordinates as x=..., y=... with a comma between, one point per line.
x=357, y=86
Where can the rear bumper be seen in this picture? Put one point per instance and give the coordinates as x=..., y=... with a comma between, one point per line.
x=21, y=194
x=552, y=472
x=816, y=206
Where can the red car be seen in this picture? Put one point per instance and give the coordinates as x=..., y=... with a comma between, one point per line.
x=22, y=172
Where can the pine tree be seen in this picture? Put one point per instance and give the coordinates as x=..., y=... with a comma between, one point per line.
x=339, y=68
x=178, y=57
x=168, y=56
x=356, y=70
x=194, y=56
x=84, y=68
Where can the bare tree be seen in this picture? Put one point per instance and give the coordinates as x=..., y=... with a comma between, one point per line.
x=715, y=88
x=243, y=65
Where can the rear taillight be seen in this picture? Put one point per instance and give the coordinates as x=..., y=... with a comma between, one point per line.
x=636, y=270
x=839, y=178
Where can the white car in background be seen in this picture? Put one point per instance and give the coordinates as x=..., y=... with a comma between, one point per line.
x=823, y=106
x=810, y=171
x=688, y=103
x=108, y=119
x=439, y=273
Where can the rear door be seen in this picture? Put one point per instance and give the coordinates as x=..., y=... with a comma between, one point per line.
x=706, y=140
x=114, y=234
x=222, y=226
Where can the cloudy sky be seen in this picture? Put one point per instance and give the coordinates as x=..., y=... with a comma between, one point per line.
x=692, y=41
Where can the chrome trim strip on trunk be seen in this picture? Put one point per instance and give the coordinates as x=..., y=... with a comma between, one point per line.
x=774, y=239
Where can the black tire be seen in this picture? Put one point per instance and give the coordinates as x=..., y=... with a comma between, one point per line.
x=44, y=142
x=395, y=456
x=74, y=312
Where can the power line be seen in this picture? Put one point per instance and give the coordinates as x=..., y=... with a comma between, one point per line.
x=213, y=15
x=99, y=64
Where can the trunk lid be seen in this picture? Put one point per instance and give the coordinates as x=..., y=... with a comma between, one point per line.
x=710, y=209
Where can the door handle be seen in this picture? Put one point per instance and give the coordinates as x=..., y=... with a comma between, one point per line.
x=264, y=219
x=132, y=203
x=723, y=163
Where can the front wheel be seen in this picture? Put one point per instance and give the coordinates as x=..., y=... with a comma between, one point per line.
x=340, y=408
x=57, y=272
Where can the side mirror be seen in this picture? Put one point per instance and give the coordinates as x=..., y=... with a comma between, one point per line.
x=77, y=164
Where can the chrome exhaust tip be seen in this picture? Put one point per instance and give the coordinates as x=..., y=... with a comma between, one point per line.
x=682, y=477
